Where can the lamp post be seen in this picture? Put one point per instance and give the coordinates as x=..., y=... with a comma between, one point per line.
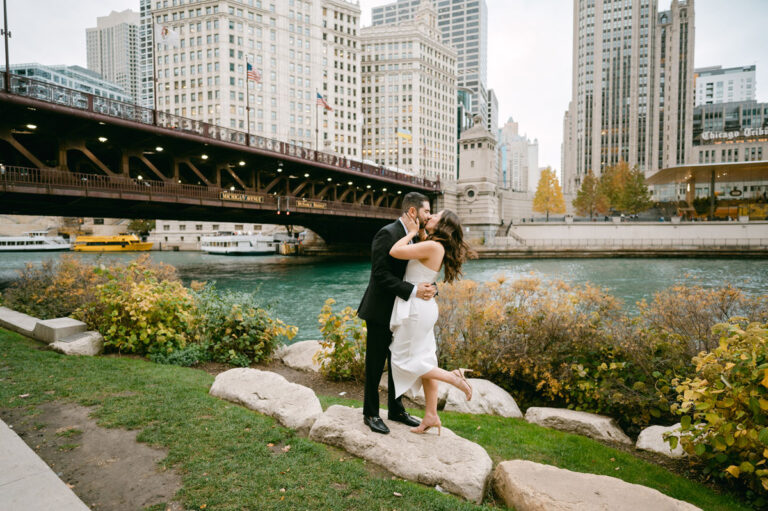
x=6, y=35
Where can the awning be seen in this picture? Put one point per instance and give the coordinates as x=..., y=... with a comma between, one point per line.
x=702, y=173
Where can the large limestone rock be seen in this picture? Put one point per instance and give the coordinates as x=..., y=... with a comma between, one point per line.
x=418, y=397
x=487, y=398
x=52, y=330
x=86, y=343
x=17, y=321
x=459, y=466
x=301, y=355
x=294, y=406
x=652, y=439
x=528, y=486
x=594, y=426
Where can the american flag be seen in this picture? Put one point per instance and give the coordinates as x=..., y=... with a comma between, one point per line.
x=252, y=74
x=321, y=101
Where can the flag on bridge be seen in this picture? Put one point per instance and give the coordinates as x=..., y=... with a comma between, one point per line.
x=321, y=101
x=252, y=74
x=406, y=134
x=166, y=35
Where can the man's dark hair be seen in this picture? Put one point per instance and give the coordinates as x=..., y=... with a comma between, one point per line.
x=414, y=200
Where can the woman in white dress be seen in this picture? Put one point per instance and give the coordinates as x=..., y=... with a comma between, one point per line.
x=413, y=348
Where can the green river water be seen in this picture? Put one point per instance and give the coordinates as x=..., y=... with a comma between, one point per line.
x=296, y=287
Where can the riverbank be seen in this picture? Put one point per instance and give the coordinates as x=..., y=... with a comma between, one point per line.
x=233, y=458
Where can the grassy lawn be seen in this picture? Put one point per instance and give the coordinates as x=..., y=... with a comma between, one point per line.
x=220, y=449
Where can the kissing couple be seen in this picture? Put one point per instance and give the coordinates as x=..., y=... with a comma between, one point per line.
x=400, y=311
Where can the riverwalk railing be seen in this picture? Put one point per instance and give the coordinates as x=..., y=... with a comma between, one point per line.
x=508, y=243
x=58, y=95
x=52, y=181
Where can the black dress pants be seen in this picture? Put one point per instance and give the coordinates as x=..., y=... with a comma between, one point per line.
x=376, y=353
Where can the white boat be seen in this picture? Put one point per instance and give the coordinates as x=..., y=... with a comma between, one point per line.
x=33, y=241
x=237, y=243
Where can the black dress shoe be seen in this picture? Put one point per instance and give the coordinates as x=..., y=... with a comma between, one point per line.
x=405, y=418
x=376, y=424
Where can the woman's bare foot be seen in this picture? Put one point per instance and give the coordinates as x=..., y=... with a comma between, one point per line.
x=462, y=383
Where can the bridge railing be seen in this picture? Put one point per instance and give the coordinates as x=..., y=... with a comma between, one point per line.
x=11, y=176
x=56, y=94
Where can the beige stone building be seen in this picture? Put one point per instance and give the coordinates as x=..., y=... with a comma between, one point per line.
x=409, y=86
x=632, y=88
x=113, y=52
x=298, y=47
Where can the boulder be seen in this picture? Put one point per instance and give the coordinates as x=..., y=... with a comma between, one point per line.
x=652, y=439
x=528, y=486
x=52, y=330
x=594, y=426
x=294, y=406
x=418, y=397
x=487, y=398
x=17, y=321
x=300, y=355
x=459, y=466
x=86, y=343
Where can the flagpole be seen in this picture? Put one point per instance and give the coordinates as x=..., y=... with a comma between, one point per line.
x=317, y=131
x=398, y=149
x=247, y=107
x=6, y=35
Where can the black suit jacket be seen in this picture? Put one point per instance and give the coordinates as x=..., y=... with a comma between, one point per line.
x=386, y=277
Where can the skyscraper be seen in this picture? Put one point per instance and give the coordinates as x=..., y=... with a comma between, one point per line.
x=717, y=85
x=632, y=89
x=464, y=25
x=519, y=159
x=409, y=96
x=298, y=49
x=112, y=50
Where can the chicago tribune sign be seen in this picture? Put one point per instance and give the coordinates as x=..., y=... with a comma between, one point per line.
x=730, y=135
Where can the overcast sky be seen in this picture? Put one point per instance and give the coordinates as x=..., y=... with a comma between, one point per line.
x=529, y=46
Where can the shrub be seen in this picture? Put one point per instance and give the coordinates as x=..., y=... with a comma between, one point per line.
x=141, y=317
x=58, y=288
x=570, y=345
x=724, y=407
x=235, y=329
x=344, y=336
x=686, y=314
x=192, y=355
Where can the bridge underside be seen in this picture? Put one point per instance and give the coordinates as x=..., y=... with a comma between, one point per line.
x=187, y=176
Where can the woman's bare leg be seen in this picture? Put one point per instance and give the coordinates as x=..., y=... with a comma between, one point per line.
x=430, y=407
x=448, y=377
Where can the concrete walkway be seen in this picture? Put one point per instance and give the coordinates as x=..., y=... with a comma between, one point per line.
x=26, y=482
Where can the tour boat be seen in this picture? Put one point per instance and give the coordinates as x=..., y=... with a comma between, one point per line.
x=118, y=243
x=237, y=243
x=33, y=241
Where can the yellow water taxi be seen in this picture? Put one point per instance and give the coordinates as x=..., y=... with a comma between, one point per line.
x=119, y=243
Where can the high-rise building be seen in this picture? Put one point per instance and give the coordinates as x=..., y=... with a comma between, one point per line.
x=298, y=48
x=71, y=77
x=409, y=96
x=673, y=88
x=146, y=55
x=632, y=90
x=519, y=159
x=493, y=112
x=112, y=50
x=464, y=25
x=717, y=85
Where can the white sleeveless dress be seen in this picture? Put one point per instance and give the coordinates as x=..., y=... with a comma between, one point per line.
x=413, y=348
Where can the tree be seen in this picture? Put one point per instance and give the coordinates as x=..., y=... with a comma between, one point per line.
x=590, y=199
x=625, y=188
x=549, y=195
x=140, y=226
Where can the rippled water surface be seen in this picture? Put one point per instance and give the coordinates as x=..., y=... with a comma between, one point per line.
x=296, y=287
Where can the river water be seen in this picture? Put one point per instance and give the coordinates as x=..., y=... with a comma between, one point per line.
x=296, y=287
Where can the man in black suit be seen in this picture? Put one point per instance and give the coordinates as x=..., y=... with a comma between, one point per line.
x=376, y=308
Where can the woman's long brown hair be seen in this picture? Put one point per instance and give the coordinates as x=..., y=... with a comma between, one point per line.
x=449, y=234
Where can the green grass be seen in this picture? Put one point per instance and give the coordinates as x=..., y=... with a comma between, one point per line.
x=221, y=452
